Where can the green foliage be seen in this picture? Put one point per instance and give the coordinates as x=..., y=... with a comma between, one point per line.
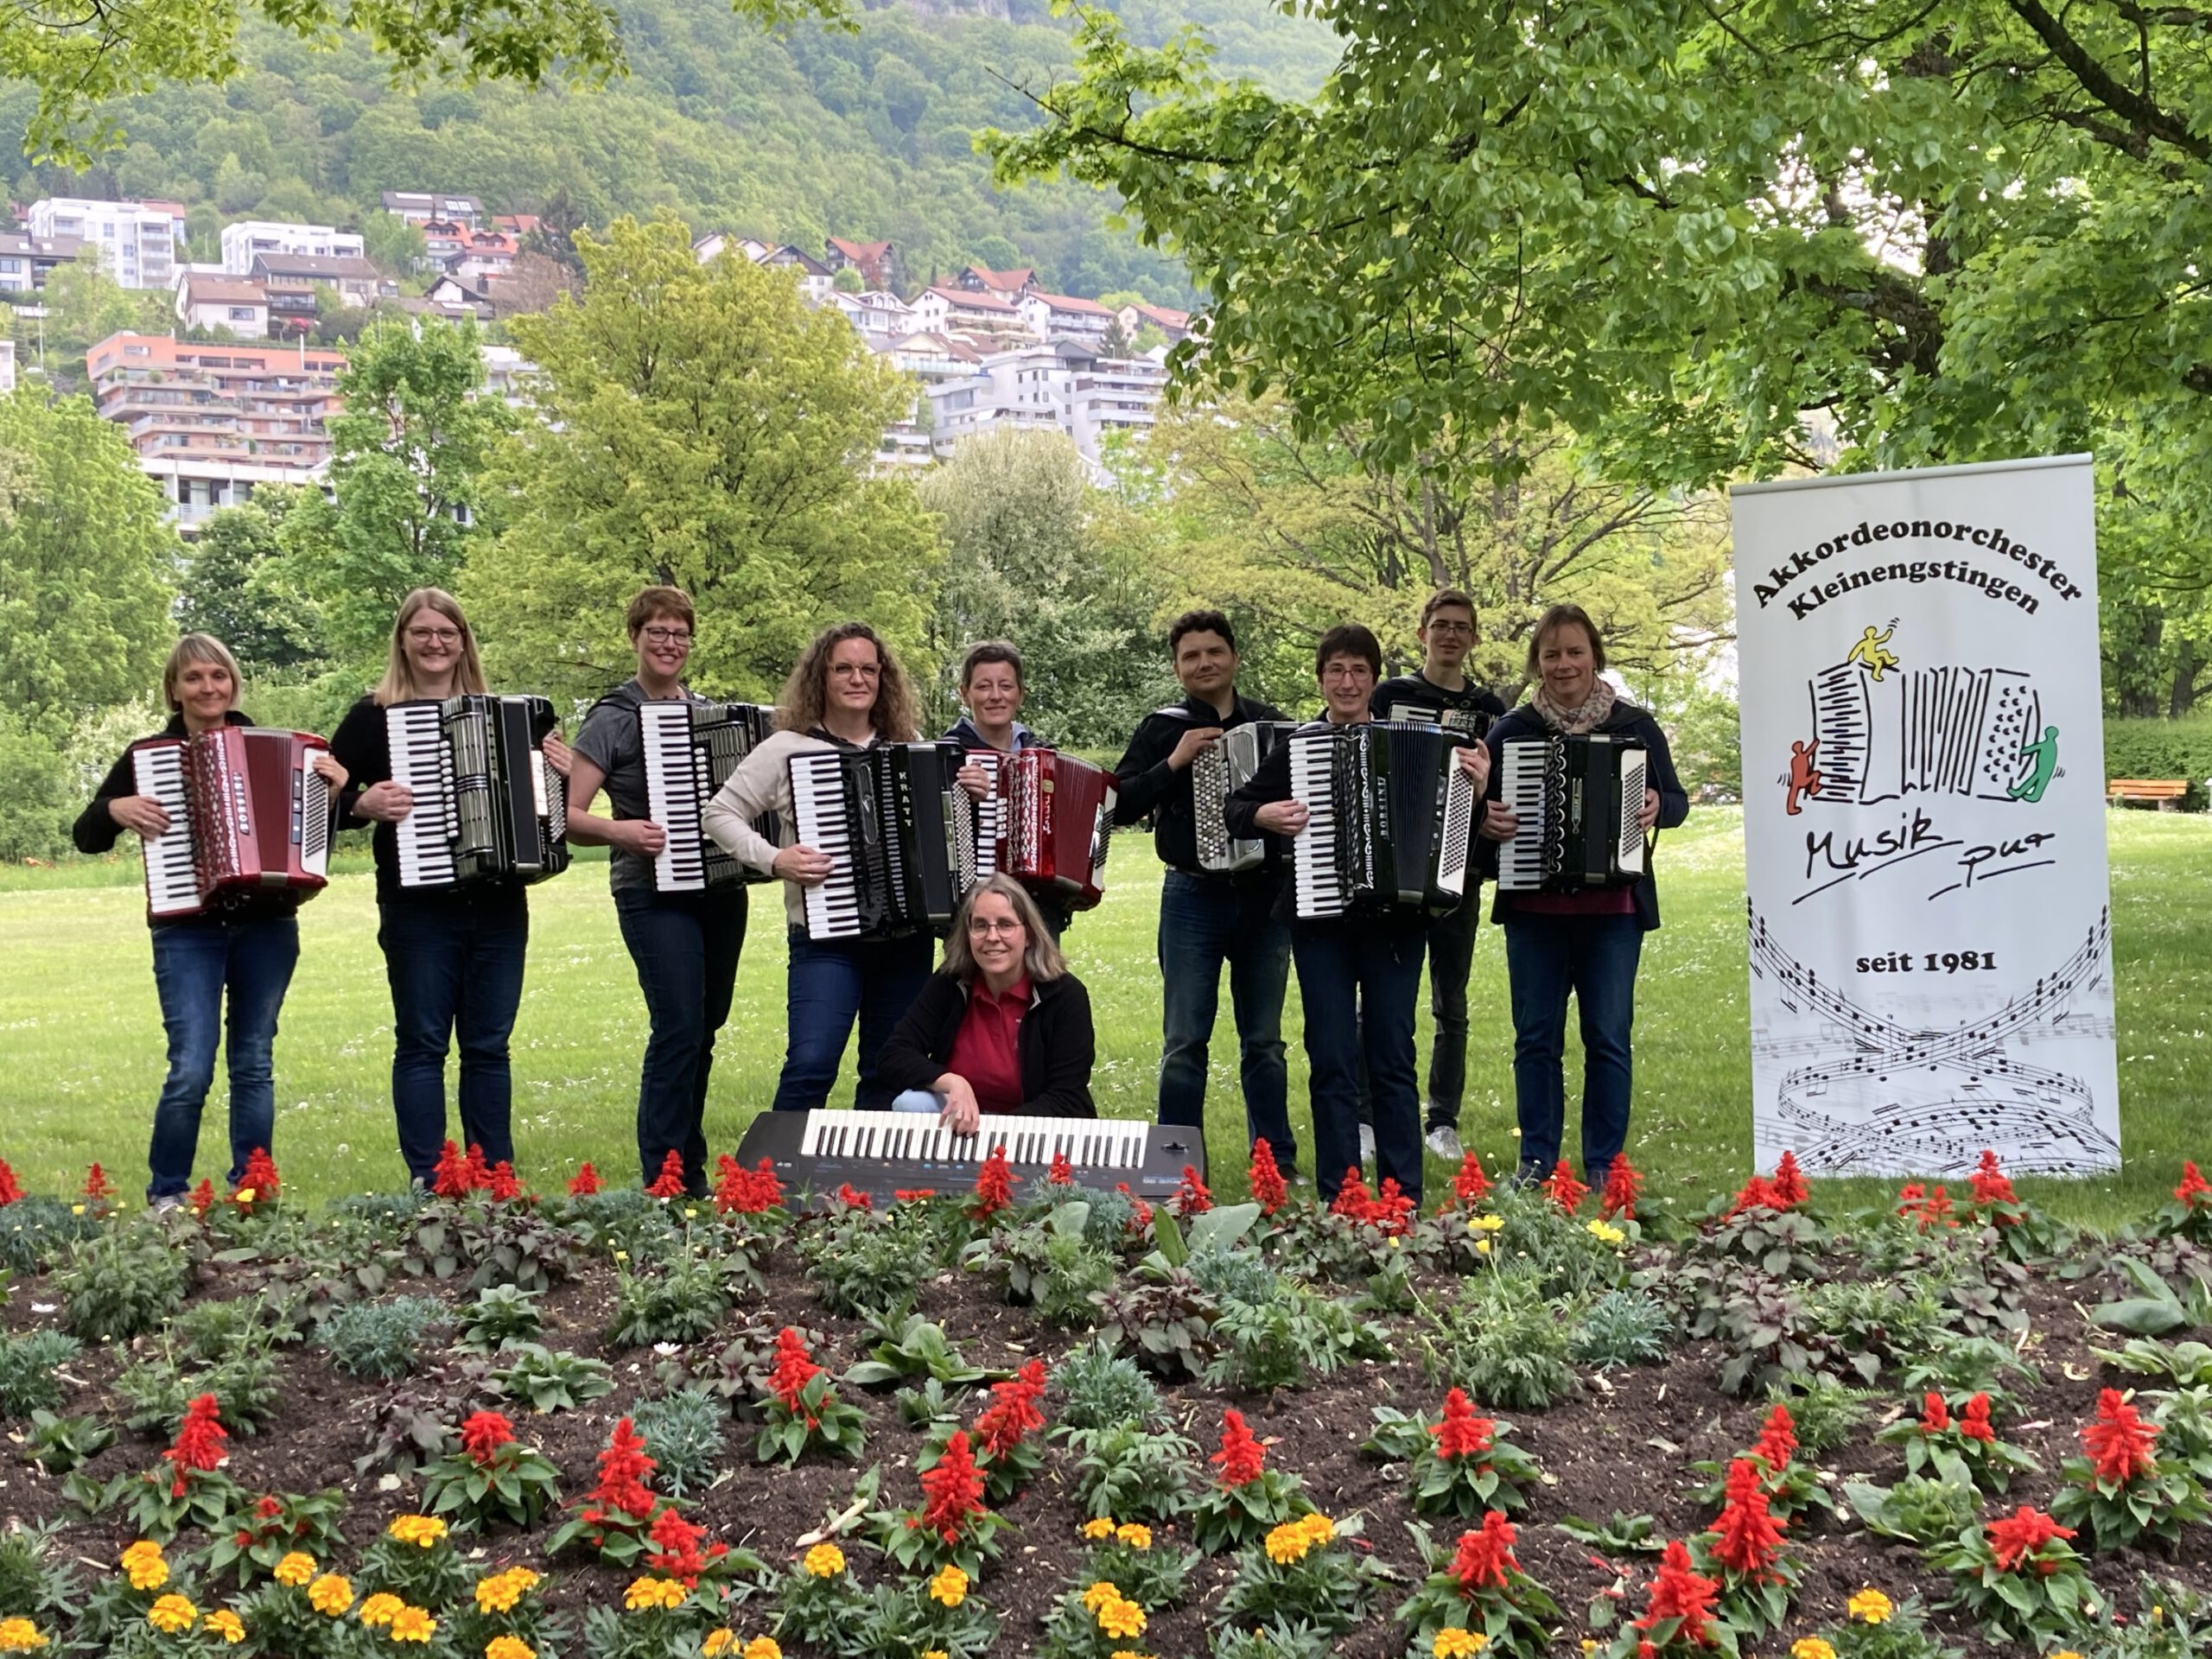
x=546, y=1379
x=869, y=1265
x=234, y=585
x=380, y=1340
x=36, y=1228
x=682, y=1303
x=30, y=1365
x=1099, y=1387
x=1919, y=1509
x=513, y=1486
x=1826, y=1410
x=158, y=1385
x=685, y=1429
x=120, y=1283
x=1164, y=1319
x=36, y=790
x=1622, y=1327
x=2161, y=749
x=1287, y=1340
x=1131, y=1473
x=817, y=1420
x=37, y=1580
x=1327, y=1588
x=1503, y=1342
x=58, y=1445
x=912, y=1349
x=500, y=1318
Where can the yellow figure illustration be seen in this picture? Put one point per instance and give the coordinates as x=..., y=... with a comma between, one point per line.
x=1872, y=652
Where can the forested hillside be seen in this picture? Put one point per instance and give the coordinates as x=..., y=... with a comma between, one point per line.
x=863, y=135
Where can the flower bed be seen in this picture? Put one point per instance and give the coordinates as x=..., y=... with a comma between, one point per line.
x=604, y=1423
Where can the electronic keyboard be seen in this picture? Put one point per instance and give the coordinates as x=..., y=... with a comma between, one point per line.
x=883, y=1154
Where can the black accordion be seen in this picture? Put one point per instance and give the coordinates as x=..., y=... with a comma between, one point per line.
x=690, y=749
x=1579, y=801
x=1390, y=813
x=486, y=805
x=900, y=832
x=1217, y=771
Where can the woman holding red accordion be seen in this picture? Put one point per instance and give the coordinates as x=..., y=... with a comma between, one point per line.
x=243, y=945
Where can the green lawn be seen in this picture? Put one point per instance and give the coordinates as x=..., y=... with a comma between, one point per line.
x=81, y=1056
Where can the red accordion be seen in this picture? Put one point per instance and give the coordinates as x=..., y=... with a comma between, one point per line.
x=1056, y=817
x=247, y=809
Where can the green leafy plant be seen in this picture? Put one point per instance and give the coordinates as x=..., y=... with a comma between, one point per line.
x=159, y=1386
x=1131, y=1473
x=2157, y=1309
x=685, y=1429
x=1502, y=1342
x=489, y=1244
x=36, y=1231
x=1164, y=1320
x=909, y=1349
x=1302, y=1573
x=1960, y=1365
x=58, y=1444
x=30, y=1370
x=682, y=1302
x=1100, y=1388
x=383, y=1340
x=2185, y=1364
x=547, y=1379
x=500, y=1318
x=1918, y=1510
x=864, y=1264
x=1828, y=1411
x=37, y=1579
x=262, y=1531
x=121, y=1283
x=1622, y=1327
x=1287, y=1340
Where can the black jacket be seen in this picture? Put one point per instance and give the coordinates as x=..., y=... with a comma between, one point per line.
x=1056, y=1044
x=1471, y=710
x=96, y=832
x=362, y=744
x=1144, y=784
x=1626, y=719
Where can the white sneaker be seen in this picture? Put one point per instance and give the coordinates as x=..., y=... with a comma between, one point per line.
x=1367, y=1143
x=168, y=1201
x=1444, y=1141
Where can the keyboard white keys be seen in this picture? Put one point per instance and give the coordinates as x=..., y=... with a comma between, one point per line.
x=172, y=880
x=672, y=796
x=421, y=765
x=1314, y=861
x=1526, y=781
x=824, y=821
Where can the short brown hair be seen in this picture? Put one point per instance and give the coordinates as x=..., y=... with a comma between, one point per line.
x=1562, y=616
x=199, y=648
x=1200, y=622
x=1444, y=596
x=660, y=601
x=991, y=651
x=1041, y=960
x=1350, y=639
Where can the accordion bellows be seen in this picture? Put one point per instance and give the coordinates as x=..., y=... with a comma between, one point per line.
x=247, y=811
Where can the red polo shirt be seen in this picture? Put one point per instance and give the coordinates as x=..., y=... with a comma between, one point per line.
x=987, y=1052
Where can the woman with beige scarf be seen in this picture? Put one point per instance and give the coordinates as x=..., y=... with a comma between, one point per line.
x=1586, y=942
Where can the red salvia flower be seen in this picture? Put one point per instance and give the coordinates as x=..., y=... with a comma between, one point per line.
x=2120, y=1442
x=202, y=1200
x=480, y=1172
x=484, y=1433
x=1757, y=1193
x=1681, y=1593
x=199, y=1441
x=1139, y=1212
x=1241, y=1457
x=1935, y=1413
x=1930, y=1209
x=1777, y=1441
x=852, y=1199
x=1062, y=1174
x=623, y=1468
x=1974, y=1422
x=584, y=1182
x=2192, y=1191
x=795, y=1369
x=451, y=1178
x=1750, y=1536
x=503, y=1185
x=912, y=1194
x=1989, y=1184
x=1564, y=1190
x=1269, y=1191
x=951, y=1489
x=1789, y=1187
x=1485, y=1559
x=1392, y=1212
x=1013, y=1413
x=260, y=1177
x=676, y=1547
x=1461, y=1433
x=1624, y=1187
x=97, y=1185
x=1470, y=1185
x=1353, y=1197
x=1191, y=1198
x=2020, y=1538
x=993, y=1187
x=669, y=1183
x=733, y=1186
x=11, y=1190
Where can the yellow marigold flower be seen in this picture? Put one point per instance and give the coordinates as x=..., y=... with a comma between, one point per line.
x=1605, y=1233
x=1121, y=1619
x=413, y=1624
x=1131, y=1653
x=1482, y=1247
x=330, y=1595
x=717, y=1642
x=513, y=1647
x=1456, y=1644
x=424, y=1530
x=1099, y=1594
x=227, y=1624
x=1289, y=1543
x=1319, y=1527
x=296, y=1570
x=1487, y=1224
x=173, y=1614
x=762, y=1647
x=20, y=1635
x=935, y=1653
x=1134, y=1533
x=145, y=1550
x=1099, y=1527
x=825, y=1560
x=2069, y=1653
x=1812, y=1647
x=1870, y=1606
x=653, y=1592
x=380, y=1609
x=149, y=1573
x=949, y=1587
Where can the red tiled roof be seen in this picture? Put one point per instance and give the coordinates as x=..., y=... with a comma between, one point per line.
x=1005, y=282
x=968, y=299
x=1070, y=303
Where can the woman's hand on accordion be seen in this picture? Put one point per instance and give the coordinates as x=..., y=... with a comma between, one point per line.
x=975, y=781
x=1649, y=815
x=558, y=754
x=1499, y=822
x=1283, y=818
x=386, y=802
x=803, y=865
x=326, y=763
x=141, y=813
x=640, y=835
x=1474, y=760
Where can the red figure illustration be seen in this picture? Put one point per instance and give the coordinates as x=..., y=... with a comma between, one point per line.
x=1803, y=779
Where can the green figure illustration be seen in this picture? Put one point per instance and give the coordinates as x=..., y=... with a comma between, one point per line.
x=1872, y=651
x=2042, y=757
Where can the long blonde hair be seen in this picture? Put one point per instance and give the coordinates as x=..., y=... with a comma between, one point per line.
x=1042, y=959
x=199, y=648
x=398, y=684
x=806, y=693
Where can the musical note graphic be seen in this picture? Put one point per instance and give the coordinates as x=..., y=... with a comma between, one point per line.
x=1871, y=1096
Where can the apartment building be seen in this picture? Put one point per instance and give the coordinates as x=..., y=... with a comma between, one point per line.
x=27, y=261
x=249, y=239
x=1062, y=385
x=137, y=240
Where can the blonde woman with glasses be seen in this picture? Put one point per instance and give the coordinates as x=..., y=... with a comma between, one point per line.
x=1002, y=1028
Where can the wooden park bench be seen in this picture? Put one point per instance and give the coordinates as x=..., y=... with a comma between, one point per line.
x=2166, y=792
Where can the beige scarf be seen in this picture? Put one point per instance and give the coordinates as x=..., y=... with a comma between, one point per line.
x=1585, y=716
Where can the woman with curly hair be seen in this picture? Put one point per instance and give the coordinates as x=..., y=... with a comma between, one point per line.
x=848, y=691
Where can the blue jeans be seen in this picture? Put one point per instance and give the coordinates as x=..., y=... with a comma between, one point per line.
x=455, y=965
x=1205, y=921
x=194, y=964
x=832, y=982
x=1595, y=958
x=685, y=946
x=1358, y=980
x=1451, y=957
x=917, y=1100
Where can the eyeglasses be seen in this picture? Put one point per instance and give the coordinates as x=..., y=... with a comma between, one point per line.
x=985, y=925
x=440, y=636
x=668, y=636
x=1450, y=627
x=857, y=671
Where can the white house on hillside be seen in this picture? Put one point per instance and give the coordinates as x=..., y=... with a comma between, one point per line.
x=138, y=239
x=1061, y=385
x=229, y=305
x=1063, y=316
x=243, y=241
x=944, y=310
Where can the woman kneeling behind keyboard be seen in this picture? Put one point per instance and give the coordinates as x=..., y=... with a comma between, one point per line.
x=1001, y=1028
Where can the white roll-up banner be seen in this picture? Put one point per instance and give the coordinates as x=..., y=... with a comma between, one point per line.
x=1924, y=821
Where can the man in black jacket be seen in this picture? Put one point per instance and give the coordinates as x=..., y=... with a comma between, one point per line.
x=1207, y=917
x=1441, y=694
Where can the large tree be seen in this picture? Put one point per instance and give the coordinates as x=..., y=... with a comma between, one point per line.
x=700, y=426
x=235, y=584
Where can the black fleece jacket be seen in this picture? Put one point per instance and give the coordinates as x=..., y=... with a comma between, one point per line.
x=1056, y=1044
